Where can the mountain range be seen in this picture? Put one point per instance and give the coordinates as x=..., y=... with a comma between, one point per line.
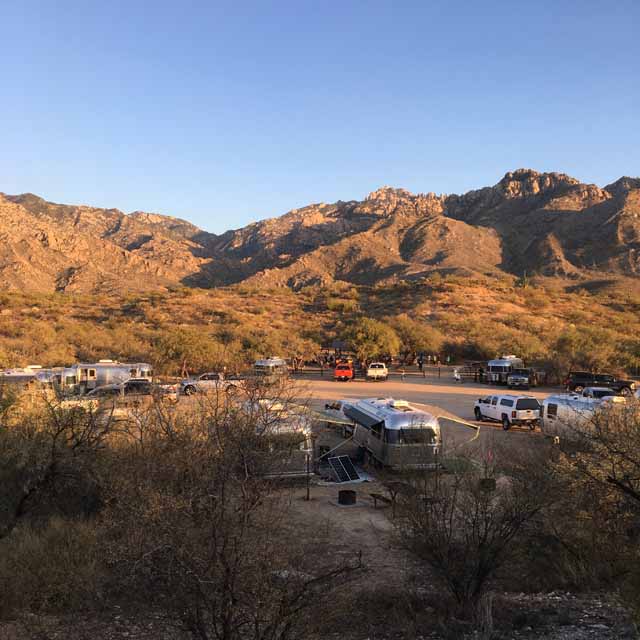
x=537, y=223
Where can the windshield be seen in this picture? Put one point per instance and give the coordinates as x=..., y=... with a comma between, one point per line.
x=528, y=403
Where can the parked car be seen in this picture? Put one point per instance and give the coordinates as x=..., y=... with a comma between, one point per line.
x=508, y=410
x=343, y=372
x=209, y=382
x=377, y=371
x=578, y=380
x=521, y=378
x=601, y=394
x=132, y=387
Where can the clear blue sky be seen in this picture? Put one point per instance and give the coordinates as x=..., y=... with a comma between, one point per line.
x=228, y=112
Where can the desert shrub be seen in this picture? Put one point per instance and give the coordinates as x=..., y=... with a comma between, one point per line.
x=50, y=567
x=342, y=306
x=461, y=525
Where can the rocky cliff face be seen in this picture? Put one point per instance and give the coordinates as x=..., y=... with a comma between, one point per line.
x=548, y=223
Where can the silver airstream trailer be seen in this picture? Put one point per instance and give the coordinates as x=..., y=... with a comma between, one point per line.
x=570, y=416
x=22, y=376
x=393, y=433
x=104, y=372
x=499, y=369
x=271, y=370
x=84, y=377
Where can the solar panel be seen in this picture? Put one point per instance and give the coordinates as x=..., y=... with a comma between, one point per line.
x=349, y=468
x=343, y=468
x=339, y=470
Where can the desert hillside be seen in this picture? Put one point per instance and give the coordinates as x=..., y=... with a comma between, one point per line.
x=536, y=223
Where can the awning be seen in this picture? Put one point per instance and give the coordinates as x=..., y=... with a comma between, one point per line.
x=361, y=417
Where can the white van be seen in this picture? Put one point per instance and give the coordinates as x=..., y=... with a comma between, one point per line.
x=508, y=410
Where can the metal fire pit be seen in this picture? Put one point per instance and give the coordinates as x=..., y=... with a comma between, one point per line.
x=346, y=496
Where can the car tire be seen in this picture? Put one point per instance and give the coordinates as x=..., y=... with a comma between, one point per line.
x=479, y=416
x=625, y=391
x=506, y=425
x=189, y=391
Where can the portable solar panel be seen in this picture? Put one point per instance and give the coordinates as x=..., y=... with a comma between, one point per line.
x=339, y=470
x=343, y=468
x=349, y=468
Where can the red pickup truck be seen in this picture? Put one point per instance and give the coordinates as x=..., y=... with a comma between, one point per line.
x=343, y=372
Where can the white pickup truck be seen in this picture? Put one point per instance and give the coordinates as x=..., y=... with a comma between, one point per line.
x=377, y=371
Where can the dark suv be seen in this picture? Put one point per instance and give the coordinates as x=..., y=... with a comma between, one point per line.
x=578, y=380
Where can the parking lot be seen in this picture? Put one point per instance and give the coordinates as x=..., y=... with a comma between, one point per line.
x=448, y=399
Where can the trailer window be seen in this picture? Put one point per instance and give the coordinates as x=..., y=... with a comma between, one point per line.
x=552, y=410
x=92, y=373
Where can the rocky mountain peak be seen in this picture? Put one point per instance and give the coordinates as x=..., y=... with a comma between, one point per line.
x=523, y=183
x=387, y=194
x=538, y=222
x=623, y=185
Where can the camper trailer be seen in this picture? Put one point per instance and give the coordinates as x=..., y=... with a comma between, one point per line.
x=84, y=377
x=499, y=369
x=569, y=414
x=271, y=370
x=565, y=415
x=21, y=376
x=392, y=433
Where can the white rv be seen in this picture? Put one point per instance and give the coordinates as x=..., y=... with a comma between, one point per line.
x=499, y=369
x=393, y=433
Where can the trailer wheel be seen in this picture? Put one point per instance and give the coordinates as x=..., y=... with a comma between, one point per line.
x=505, y=423
x=625, y=391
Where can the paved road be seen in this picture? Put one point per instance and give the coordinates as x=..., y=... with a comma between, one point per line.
x=444, y=398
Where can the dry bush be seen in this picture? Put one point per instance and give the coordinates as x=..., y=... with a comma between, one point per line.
x=52, y=567
x=462, y=525
x=198, y=532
